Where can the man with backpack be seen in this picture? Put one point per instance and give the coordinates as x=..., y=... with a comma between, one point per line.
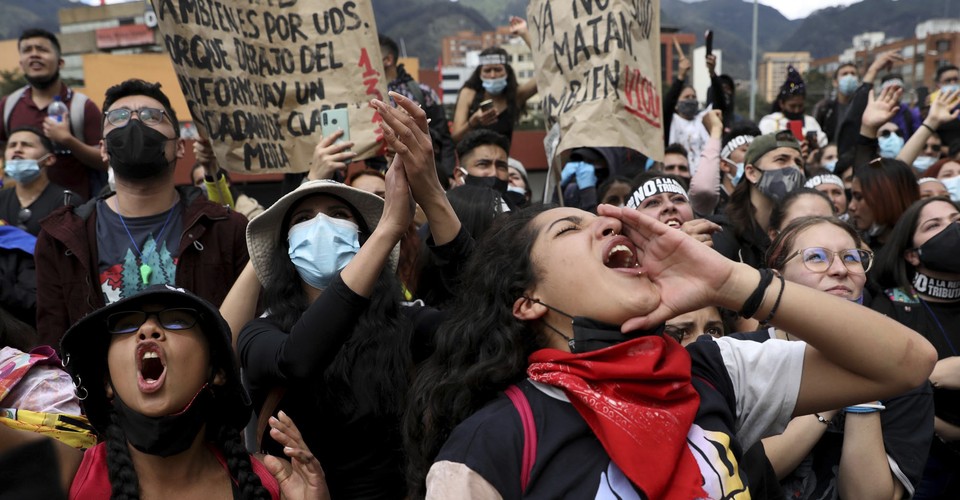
x=76, y=135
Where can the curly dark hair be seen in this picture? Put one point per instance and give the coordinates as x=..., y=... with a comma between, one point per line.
x=483, y=348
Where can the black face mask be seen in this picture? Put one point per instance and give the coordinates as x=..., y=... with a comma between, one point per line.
x=167, y=435
x=590, y=335
x=137, y=151
x=495, y=183
x=793, y=116
x=940, y=252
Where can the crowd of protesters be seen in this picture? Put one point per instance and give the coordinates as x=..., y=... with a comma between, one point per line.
x=769, y=311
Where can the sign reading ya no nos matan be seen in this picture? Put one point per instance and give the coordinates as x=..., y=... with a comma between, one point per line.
x=598, y=70
x=257, y=74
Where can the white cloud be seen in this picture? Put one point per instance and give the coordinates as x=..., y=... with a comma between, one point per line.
x=794, y=9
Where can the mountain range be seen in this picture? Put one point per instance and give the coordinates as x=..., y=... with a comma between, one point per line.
x=421, y=24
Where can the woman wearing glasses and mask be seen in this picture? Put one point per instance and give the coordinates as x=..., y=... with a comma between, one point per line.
x=871, y=450
x=158, y=379
x=919, y=273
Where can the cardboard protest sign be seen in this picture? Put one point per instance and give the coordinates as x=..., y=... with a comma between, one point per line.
x=258, y=73
x=598, y=70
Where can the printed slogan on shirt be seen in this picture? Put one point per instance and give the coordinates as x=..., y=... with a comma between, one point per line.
x=257, y=74
x=598, y=70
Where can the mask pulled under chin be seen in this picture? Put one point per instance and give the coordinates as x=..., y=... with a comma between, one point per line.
x=591, y=335
x=167, y=435
x=137, y=151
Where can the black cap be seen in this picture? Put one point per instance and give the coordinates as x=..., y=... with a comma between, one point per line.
x=84, y=348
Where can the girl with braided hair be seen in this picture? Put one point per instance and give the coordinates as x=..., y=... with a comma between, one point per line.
x=159, y=381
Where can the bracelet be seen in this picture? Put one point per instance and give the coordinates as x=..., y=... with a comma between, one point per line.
x=756, y=298
x=783, y=284
x=931, y=129
x=822, y=420
x=865, y=408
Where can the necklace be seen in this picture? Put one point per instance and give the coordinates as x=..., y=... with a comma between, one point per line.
x=145, y=269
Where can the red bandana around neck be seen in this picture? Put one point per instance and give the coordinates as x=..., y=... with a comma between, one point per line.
x=637, y=398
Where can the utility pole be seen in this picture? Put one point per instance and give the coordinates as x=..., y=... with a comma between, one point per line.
x=753, y=68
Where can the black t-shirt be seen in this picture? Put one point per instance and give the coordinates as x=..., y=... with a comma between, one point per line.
x=747, y=390
x=910, y=312
x=125, y=245
x=49, y=200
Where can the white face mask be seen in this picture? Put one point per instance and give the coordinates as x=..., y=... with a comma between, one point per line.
x=321, y=247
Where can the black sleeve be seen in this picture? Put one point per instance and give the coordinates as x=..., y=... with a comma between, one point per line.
x=716, y=96
x=866, y=151
x=669, y=104
x=18, y=285
x=907, y=426
x=850, y=126
x=440, y=132
x=451, y=258
x=270, y=355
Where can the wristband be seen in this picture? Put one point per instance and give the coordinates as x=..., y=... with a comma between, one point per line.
x=931, y=129
x=865, y=408
x=776, y=304
x=756, y=298
x=822, y=420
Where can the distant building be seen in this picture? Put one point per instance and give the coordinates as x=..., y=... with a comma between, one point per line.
x=773, y=71
x=936, y=43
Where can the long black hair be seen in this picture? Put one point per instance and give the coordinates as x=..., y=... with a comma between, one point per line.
x=891, y=269
x=123, y=475
x=509, y=93
x=481, y=349
x=371, y=369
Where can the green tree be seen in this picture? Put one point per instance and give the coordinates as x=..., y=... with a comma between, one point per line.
x=11, y=80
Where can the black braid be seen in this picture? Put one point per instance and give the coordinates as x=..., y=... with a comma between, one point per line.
x=123, y=476
x=238, y=461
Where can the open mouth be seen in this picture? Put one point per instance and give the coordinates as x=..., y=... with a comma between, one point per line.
x=620, y=255
x=674, y=223
x=151, y=367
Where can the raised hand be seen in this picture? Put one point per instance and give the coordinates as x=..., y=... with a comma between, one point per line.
x=943, y=109
x=398, y=206
x=203, y=152
x=711, y=64
x=518, y=26
x=687, y=274
x=301, y=478
x=683, y=64
x=329, y=157
x=406, y=131
x=701, y=230
x=880, y=110
x=713, y=122
x=58, y=132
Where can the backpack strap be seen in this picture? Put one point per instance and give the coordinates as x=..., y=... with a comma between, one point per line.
x=8, y=106
x=77, y=103
x=520, y=402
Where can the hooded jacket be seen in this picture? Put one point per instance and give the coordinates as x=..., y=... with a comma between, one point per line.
x=211, y=254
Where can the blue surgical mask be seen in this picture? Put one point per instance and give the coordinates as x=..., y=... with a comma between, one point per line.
x=22, y=170
x=735, y=178
x=830, y=165
x=922, y=163
x=321, y=247
x=890, y=145
x=494, y=86
x=953, y=186
x=950, y=88
x=848, y=84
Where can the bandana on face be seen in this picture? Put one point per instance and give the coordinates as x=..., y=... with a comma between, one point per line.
x=654, y=187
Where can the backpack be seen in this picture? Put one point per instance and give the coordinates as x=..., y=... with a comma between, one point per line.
x=77, y=102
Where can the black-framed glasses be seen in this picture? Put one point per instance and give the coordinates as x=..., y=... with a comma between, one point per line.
x=819, y=259
x=174, y=318
x=121, y=116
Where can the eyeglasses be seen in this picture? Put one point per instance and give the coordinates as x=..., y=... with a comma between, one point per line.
x=819, y=259
x=886, y=133
x=176, y=318
x=121, y=116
